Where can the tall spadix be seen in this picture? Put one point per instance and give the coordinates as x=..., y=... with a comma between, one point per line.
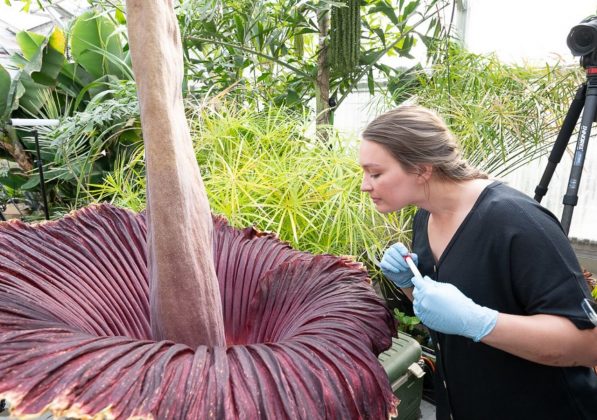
x=185, y=301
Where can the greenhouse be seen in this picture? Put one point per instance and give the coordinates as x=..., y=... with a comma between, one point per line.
x=304, y=209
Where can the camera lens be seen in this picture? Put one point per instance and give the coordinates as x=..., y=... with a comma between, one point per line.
x=582, y=39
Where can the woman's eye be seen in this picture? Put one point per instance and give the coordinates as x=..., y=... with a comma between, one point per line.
x=374, y=176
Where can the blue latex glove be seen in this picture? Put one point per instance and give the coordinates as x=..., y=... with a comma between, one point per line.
x=394, y=267
x=444, y=308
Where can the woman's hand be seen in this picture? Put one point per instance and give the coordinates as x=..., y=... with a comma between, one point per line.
x=394, y=266
x=442, y=307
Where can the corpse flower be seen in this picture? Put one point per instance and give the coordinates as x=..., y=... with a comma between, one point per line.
x=108, y=313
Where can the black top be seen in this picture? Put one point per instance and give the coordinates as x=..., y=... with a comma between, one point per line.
x=509, y=254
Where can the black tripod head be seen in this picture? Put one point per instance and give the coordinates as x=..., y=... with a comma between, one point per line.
x=582, y=41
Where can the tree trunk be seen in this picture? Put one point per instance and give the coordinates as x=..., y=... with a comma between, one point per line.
x=10, y=142
x=185, y=301
x=322, y=83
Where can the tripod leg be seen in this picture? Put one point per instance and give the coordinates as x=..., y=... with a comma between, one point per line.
x=561, y=141
x=2, y=219
x=40, y=169
x=588, y=116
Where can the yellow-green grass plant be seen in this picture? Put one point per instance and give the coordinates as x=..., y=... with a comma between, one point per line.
x=262, y=169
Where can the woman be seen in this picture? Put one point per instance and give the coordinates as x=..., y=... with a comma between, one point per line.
x=520, y=351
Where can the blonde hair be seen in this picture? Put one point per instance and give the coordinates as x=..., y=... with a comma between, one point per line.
x=414, y=136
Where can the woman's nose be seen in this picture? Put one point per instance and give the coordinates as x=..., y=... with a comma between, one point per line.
x=365, y=186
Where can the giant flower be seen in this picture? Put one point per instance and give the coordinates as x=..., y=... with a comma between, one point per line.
x=173, y=314
x=302, y=331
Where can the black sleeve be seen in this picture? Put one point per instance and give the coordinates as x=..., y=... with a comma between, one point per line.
x=545, y=273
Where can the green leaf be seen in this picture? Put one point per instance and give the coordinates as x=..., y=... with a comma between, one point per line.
x=5, y=84
x=120, y=17
x=368, y=57
x=240, y=29
x=31, y=183
x=13, y=178
x=57, y=41
x=380, y=33
x=39, y=65
x=73, y=78
x=292, y=97
x=387, y=10
x=33, y=95
x=94, y=41
x=210, y=27
x=30, y=43
x=410, y=7
x=53, y=59
x=42, y=57
x=76, y=74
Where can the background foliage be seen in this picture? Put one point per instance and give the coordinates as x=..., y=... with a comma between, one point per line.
x=269, y=51
x=262, y=169
x=504, y=115
x=80, y=78
x=253, y=69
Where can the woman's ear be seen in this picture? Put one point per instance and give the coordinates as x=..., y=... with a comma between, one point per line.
x=425, y=172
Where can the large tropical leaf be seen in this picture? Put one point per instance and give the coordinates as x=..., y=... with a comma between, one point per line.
x=31, y=95
x=39, y=66
x=96, y=45
x=53, y=59
x=30, y=44
x=302, y=331
x=5, y=84
x=25, y=92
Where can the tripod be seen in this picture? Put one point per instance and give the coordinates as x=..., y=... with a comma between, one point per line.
x=586, y=97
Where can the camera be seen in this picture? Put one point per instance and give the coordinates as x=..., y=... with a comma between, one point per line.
x=582, y=41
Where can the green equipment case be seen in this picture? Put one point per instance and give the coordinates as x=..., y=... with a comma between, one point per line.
x=401, y=363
